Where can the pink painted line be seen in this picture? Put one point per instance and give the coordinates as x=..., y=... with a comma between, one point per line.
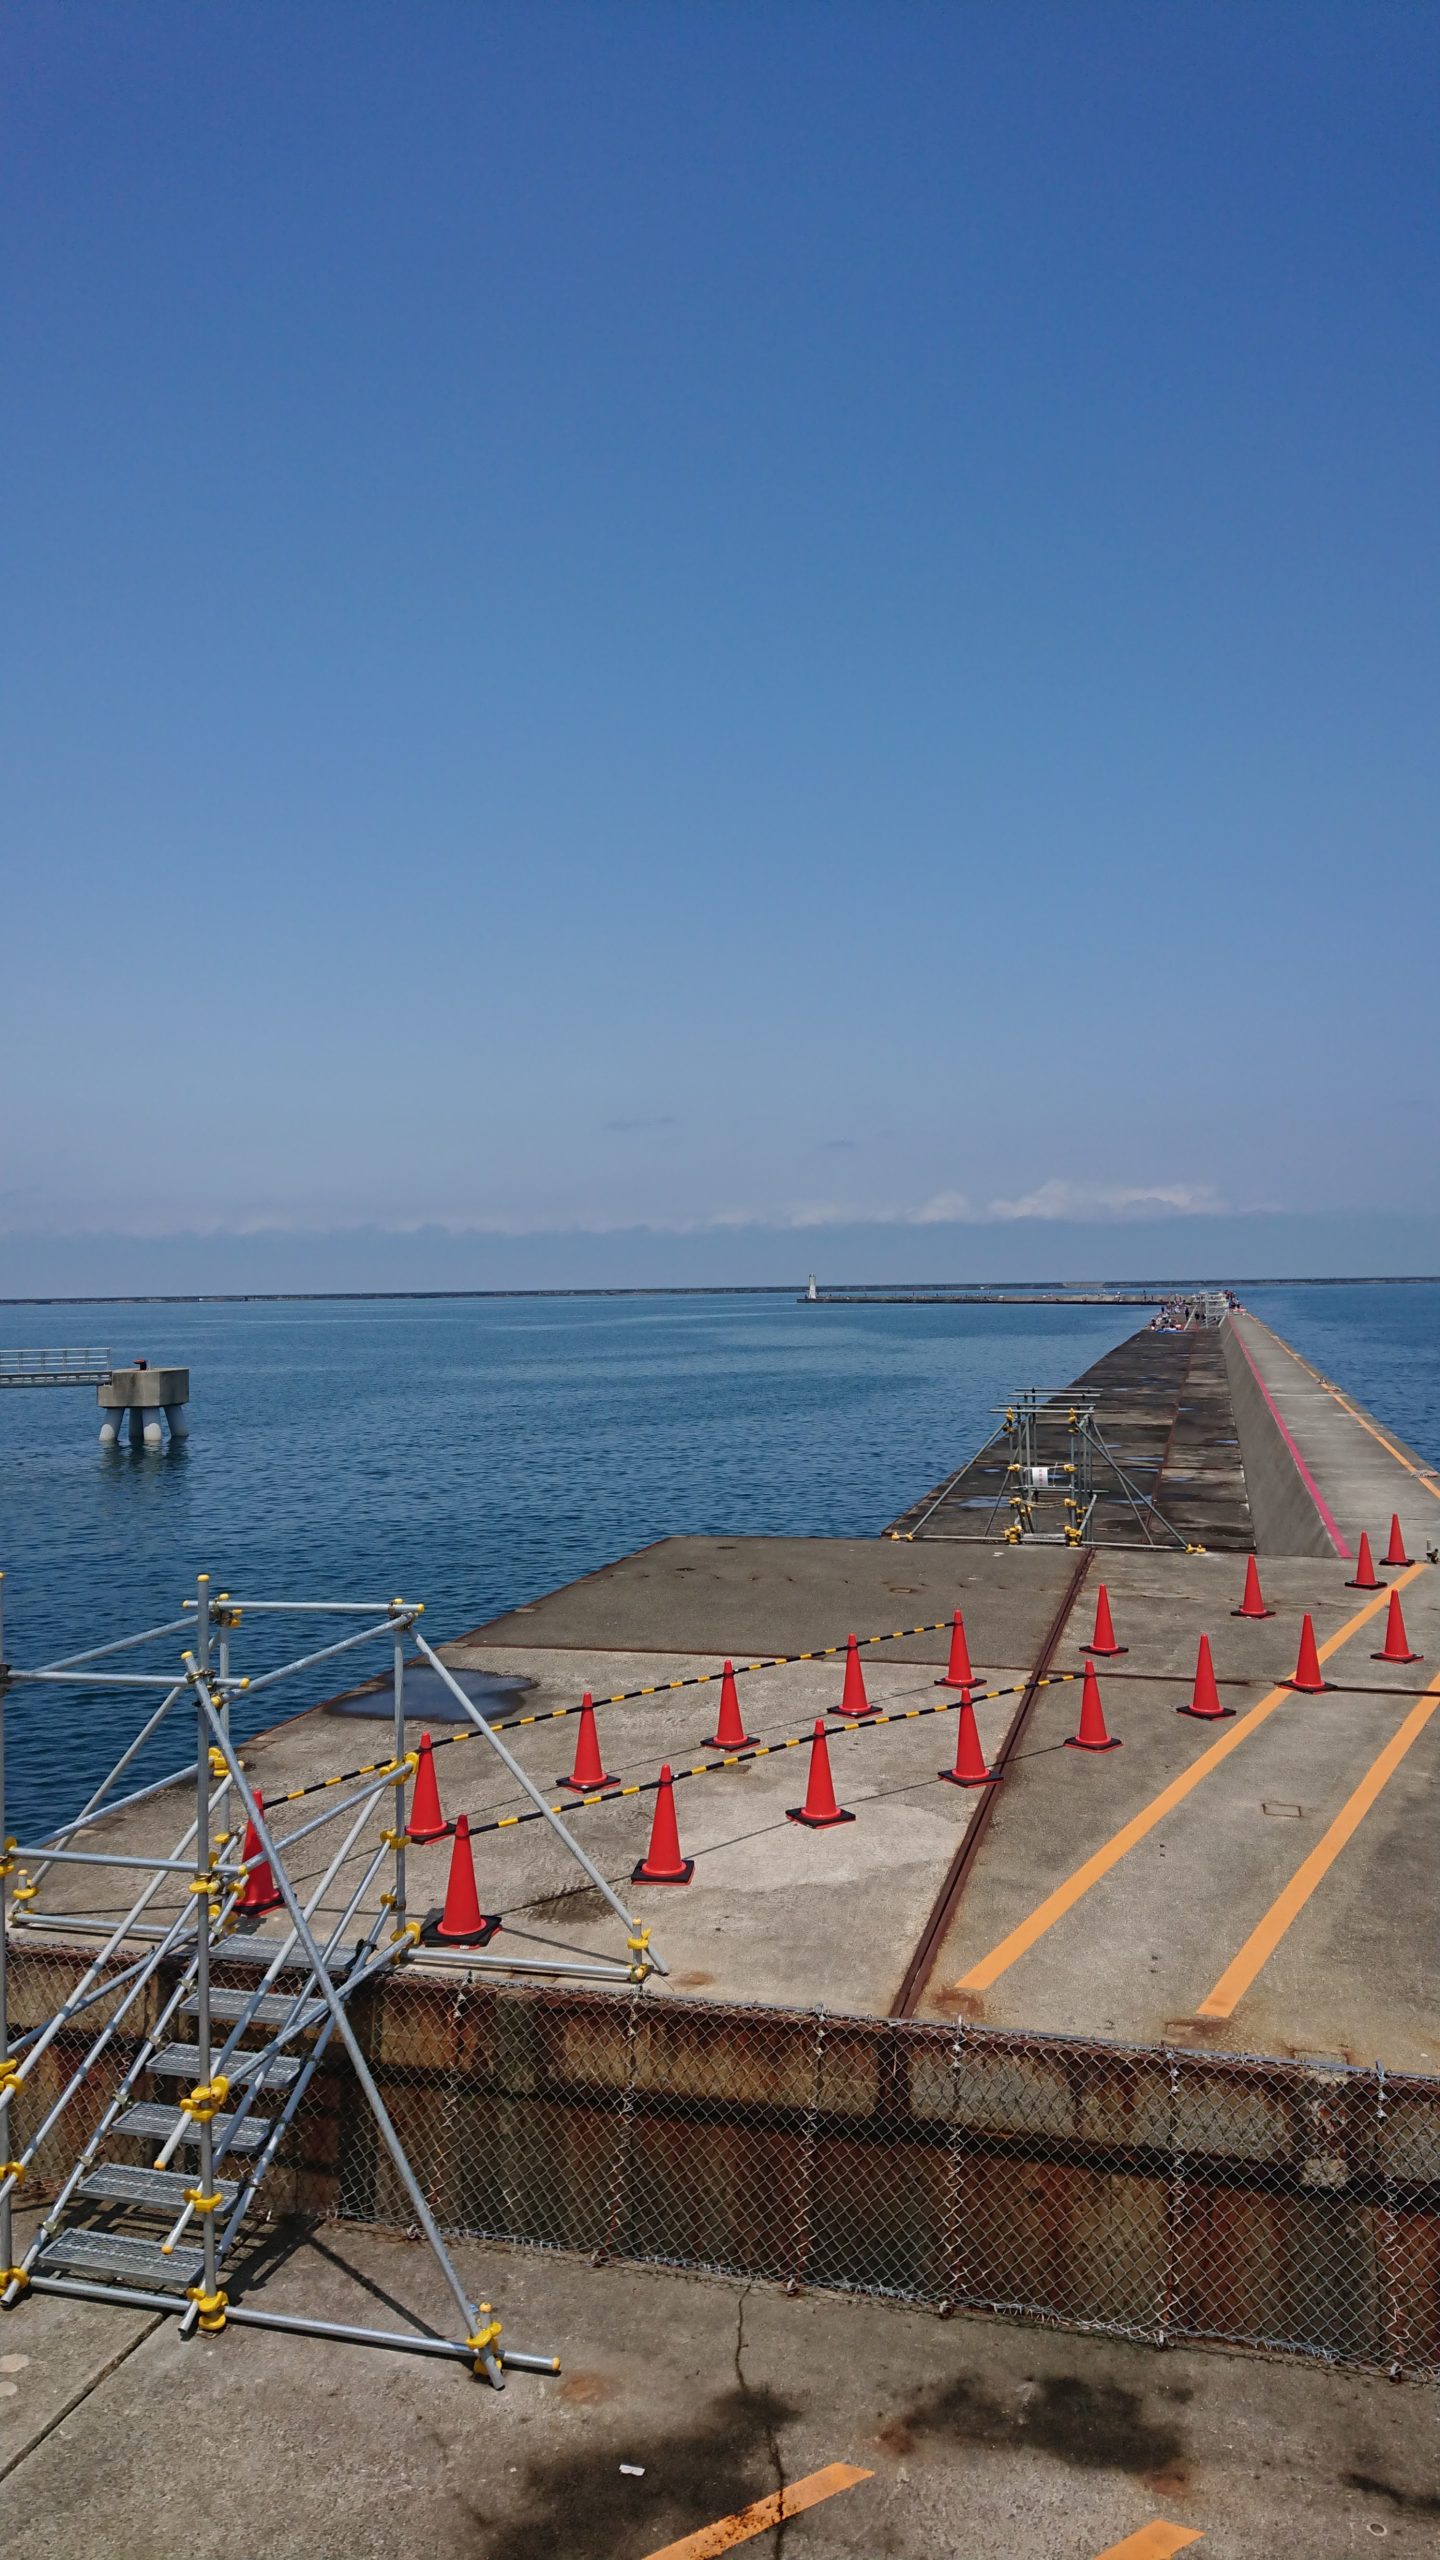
x=1329, y=1522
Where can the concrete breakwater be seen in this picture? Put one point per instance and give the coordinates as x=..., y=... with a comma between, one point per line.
x=963, y=2050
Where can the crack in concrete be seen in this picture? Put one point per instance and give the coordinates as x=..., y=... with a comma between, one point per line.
x=763, y=2404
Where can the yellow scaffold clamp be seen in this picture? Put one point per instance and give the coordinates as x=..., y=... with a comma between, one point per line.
x=206, y=2099
x=396, y=1839
x=411, y=1931
x=13, y=2275
x=7, y=1857
x=639, y=1947
x=202, y=2203
x=9, y=2078
x=211, y=2307
x=24, y=1891
x=14, y=2169
x=483, y=2341
x=219, y=1765
x=208, y=1884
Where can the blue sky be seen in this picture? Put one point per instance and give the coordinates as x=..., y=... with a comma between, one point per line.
x=679, y=640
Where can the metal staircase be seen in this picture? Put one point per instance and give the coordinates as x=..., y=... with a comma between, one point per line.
x=151, y=2210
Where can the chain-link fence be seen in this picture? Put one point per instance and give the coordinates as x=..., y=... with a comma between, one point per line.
x=1149, y=2192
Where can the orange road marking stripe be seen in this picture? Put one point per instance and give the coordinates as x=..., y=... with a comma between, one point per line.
x=1267, y=1933
x=1157, y=2541
x=776, y=2509
x=1066, y=1895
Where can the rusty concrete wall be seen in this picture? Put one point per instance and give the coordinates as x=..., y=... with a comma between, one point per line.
x=1157, y=2193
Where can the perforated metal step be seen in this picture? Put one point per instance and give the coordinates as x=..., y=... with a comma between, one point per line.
x=272, y=2009
x=182, y=2062
x=152, y=2190
x=125, y=2256
x=156, y=2124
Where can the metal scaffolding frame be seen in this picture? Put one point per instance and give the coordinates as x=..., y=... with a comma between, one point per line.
x=254, y=2044
x=1053, y=1448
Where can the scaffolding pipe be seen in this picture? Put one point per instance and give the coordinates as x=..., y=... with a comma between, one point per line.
x=120, y=1644
x=132, y=2299
x=361, y=2067
x=533, y=1792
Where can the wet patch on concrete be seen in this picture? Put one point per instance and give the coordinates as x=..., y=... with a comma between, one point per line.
x=579, y=2504
x=1410, y=2502
x=1094, y=2426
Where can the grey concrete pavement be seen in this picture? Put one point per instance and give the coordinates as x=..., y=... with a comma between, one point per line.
x=982, y=2440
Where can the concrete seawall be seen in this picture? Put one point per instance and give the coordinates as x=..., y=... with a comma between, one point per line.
x=1282, y=1504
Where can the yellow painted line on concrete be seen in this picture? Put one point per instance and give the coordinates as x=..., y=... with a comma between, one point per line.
x=1157, y=2541
x=1065, y=1896
x=1267, y=1933
x=792, y=2500
x=1422, y=1475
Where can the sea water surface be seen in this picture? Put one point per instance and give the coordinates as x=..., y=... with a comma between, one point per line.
x=475, y=1453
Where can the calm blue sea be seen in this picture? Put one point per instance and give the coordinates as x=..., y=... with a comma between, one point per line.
x=473, y=1454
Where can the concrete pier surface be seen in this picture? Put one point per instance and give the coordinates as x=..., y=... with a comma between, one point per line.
x=691, y=2403
x=1256, y=1884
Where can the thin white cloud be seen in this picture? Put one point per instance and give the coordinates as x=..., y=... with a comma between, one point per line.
x=943, y=1208
x=1057, y=1199
x=1054, y=1200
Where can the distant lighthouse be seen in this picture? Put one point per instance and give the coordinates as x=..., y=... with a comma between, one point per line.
x=810, y=1289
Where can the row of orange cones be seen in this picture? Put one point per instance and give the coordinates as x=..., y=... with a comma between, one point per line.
x=463, y=1922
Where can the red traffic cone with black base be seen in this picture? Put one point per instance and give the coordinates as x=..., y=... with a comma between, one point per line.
x=1307, y=1676
x=426, y=1822
x=729, y=1733
x=969, y=1769
x=958, y=1674
x=662, y=1862
x=853, y=1701
x=1205, y=1697
x=1365, y=1577
x=1396, y=1647
x=1395, y=1552
x=462, y=1923
x=589, y=1771
x=261, y=1892
x=1092, y=1735
x=1252, y=1603
x=1103, y=1641
x=819, y=1810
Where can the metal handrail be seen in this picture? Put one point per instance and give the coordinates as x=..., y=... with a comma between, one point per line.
x=88, y=1358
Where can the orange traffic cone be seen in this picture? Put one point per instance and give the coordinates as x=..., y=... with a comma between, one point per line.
x=969, y=1769
x=462, y=1922
x=1253, y=1603
x=729, y=1733
x=427, y=1822
x=1307, y=1675
x=261, y=1892
x=662, y=1862
x=958, y=1674
x=1395, y=1552
x=589, y=1771
x=1396, y=1647
x=1365, y=1577
x=1205, y=1699
x=853, y=1701
x=1103, y=1640
x=819, y=1809
x=1092, y=1735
